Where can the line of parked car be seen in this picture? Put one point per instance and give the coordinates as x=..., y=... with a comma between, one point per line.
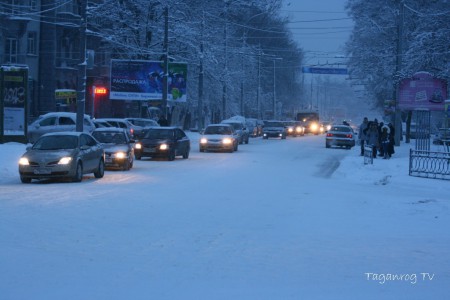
x=58, y=151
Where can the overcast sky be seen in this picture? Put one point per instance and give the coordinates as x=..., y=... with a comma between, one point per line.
x=321, y=28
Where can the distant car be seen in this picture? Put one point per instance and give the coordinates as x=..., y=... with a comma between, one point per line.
x=274, y=129
x=314, y=127
x=62, y=155
x=56, y=122
x=240, y=129
x=132, y=130
x=294, y=128
x=119, y=149
x=219, y=137
x=144, y=124
x=101, y=123
x=166, y=142
x=340, y=136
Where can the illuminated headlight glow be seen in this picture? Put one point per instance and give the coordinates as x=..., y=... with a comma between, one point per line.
x=227, y=141
x=298, y=129
x=314, y=127
x=138, y=146
x=290, y=129
x=119, y=155
x=163, y=147
x=322, y=129
x=23, y=161
x=328, y=127
x=65, y=160
x=203, y=141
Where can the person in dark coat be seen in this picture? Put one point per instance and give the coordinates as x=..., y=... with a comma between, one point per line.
x=391, y=139
x=372, y=138
x=163, y=121
x=362, y=133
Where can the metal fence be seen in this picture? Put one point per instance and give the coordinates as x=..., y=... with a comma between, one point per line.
x=429, y=164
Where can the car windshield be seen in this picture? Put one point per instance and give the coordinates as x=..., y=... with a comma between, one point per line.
x=159, y=134
x=218, y=130
x=110, y=137
x=56, y=142
x=341, y=129
x=273, y=124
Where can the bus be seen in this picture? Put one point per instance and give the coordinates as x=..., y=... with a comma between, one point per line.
x=310, y=120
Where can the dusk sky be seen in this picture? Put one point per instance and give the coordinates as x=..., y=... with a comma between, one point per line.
x=320, y=27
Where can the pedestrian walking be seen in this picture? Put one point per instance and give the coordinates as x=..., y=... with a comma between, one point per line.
x=372, y=138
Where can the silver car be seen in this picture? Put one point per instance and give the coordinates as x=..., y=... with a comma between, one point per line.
x=56, y=122
x=219, y=137
x=62, y=155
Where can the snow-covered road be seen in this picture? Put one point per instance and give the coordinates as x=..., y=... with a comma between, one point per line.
x=279, y=219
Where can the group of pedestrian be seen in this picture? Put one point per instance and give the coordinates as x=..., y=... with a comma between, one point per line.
x=379, y=136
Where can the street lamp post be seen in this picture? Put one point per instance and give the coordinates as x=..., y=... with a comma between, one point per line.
x=274, y=87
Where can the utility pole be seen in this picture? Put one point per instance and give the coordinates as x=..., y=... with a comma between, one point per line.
x=166, y=62
x=258, y=105
x=200, y=81
x=81, y=83
x=224, y=94
x=398, y=68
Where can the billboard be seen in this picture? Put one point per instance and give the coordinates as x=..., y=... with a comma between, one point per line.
x=422, y=91
x=143, y=80
x=13, y=82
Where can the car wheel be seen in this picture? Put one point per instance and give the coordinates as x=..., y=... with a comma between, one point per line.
x=171, y=155
x=186, y=154
x=265, y=137
x=100, y=170
x=283, y=137
x=25, y=179
x=202, y=150
x=246, y=141
x=327, y=145
x=138, y=156
x=126, y=165
x=236, y=147
x=78, y=173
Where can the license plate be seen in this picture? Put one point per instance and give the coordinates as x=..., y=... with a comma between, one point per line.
x=150, y=150
x=42, y=171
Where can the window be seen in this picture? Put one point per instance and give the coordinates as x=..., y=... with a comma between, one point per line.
x=11, y=50
x=66, y=121
x=31, y=43
x=33, y=4
x=48, y=122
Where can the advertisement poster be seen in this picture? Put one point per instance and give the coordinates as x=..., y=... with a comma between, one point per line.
x=143, y=80
x=14, y=94
x=422, y=91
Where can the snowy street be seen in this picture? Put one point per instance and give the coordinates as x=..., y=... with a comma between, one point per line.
x=279, y=219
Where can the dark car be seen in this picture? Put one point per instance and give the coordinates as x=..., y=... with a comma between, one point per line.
x=119, y=149
x=219, y=137
x=340, y=136
x=274, y=129
x=166, y=142
x=62, y=155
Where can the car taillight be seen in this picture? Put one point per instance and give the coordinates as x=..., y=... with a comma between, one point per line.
x=329, y=134
x=132, y=131
x=349, y=136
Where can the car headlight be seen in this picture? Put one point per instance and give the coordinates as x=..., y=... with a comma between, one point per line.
x=119, y=155
x=163, y=147
x=203, y=140
x=298, y=129
x=314, y=126
x=23, y=161
x=138, y=146
x=65, y=160
x=328, y=127
x=290, y=129
x=227, y=141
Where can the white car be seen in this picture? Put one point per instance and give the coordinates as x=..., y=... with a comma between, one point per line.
x=56, y=122
x=219, y=137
